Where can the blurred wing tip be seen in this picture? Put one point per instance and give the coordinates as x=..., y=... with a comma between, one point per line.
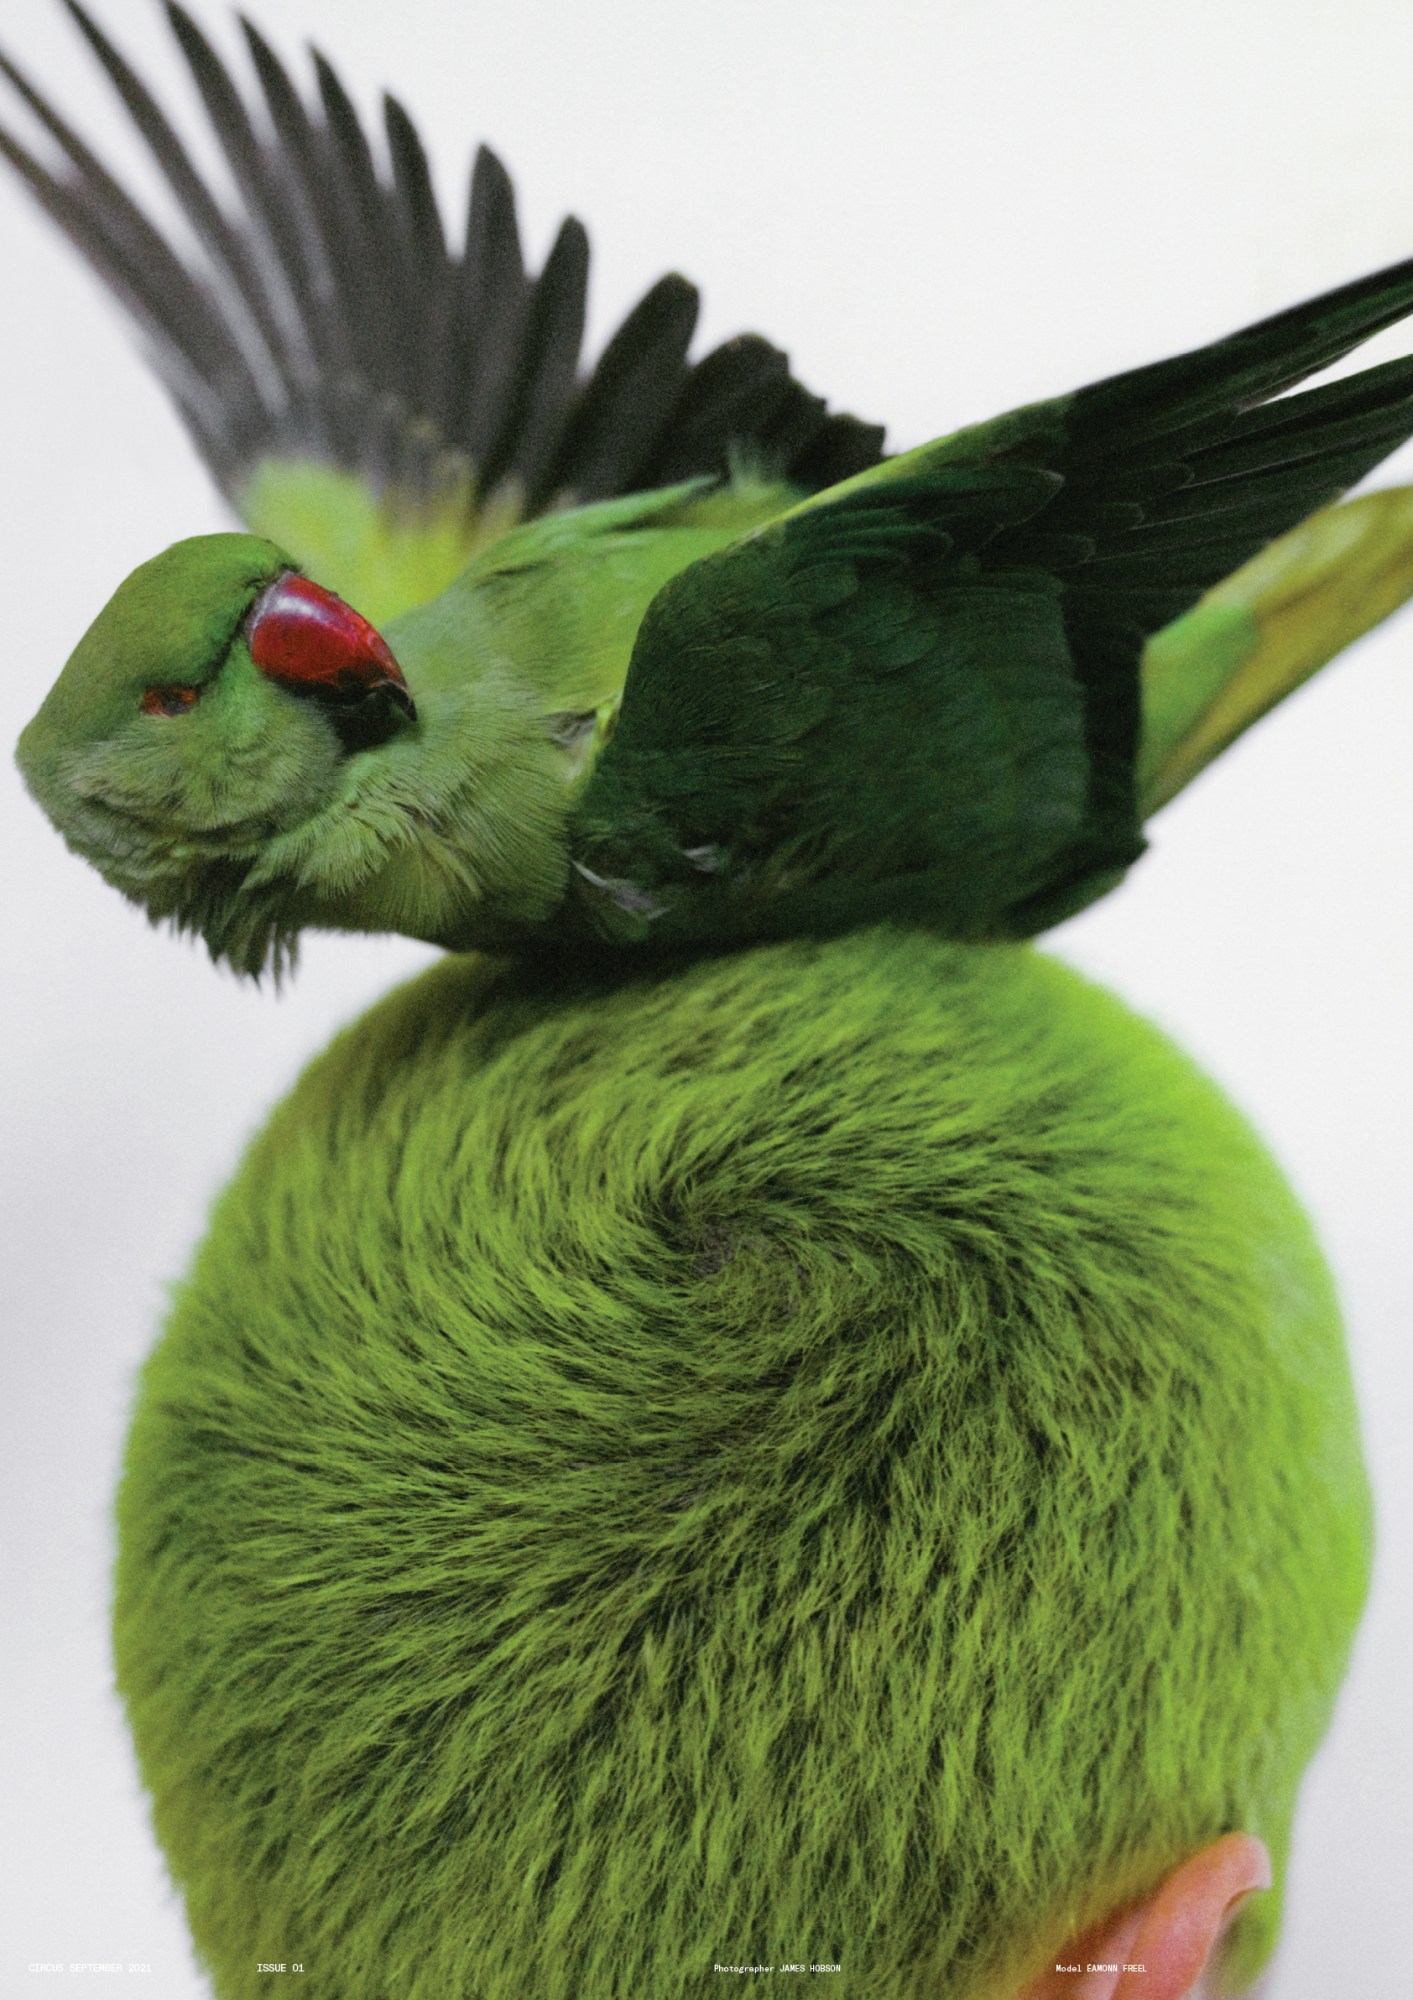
x=488, y=161
x=332, y=269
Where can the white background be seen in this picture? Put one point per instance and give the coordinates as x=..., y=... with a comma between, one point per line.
x=940, y=210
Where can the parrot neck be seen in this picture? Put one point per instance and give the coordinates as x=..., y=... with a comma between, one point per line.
x=455, y=833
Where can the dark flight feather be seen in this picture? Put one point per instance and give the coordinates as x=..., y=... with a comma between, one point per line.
x=326, y=318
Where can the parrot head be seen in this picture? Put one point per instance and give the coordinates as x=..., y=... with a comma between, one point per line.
x=210, y=708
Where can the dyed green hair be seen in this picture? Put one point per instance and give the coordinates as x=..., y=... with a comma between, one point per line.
x=841, y=1454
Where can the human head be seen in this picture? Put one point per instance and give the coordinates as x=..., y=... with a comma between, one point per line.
x=842, y=1453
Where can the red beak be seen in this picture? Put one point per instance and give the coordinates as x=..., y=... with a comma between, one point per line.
x=312, y=643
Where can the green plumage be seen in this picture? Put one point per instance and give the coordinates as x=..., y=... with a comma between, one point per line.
x=844, y=1453
x=746, y=678
x=807, y=716
x=697, y=717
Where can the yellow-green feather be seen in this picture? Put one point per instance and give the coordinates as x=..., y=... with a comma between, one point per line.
x=1267, y=628
x=380, y=554
x=387, y=554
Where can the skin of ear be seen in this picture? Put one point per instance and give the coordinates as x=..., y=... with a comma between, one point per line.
x=1172, y=1936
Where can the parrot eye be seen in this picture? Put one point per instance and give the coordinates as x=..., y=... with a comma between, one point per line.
x=168, y=700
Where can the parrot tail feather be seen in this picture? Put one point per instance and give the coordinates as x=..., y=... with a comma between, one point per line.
x=1264, y=630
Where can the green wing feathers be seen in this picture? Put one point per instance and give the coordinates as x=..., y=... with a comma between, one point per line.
x=952, y=687
x=807, y=714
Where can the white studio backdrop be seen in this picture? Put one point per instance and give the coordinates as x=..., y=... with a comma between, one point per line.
x=940, y=210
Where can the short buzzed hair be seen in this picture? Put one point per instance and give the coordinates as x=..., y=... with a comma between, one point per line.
x=844, y=1453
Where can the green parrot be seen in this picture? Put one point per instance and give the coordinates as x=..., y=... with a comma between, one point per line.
x=667, y=658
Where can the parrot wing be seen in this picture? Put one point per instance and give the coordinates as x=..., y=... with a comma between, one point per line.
x=922, y=693
x=372, y=400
